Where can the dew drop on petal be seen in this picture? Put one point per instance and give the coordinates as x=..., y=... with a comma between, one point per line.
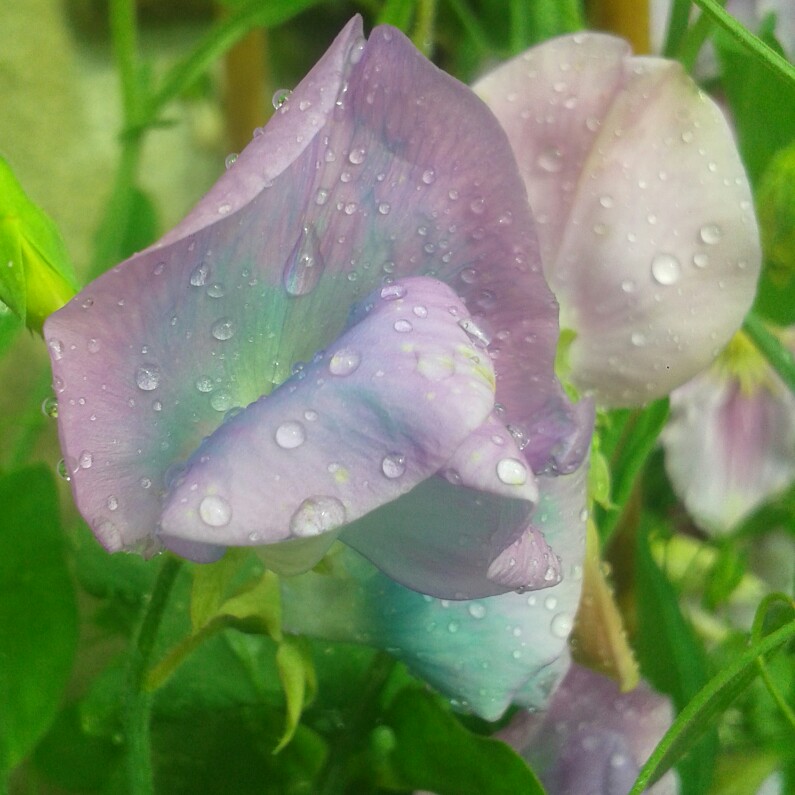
x=638, y=339
x=62, y=470
x=112, y=503
x=147, y=376
x=221, y=400
x=402, y=326
x=428, y=176
x=305, y=264
x=85, y=460
x=49, y=407
x=476, y=610
x=205, y=384
x=628, y=286
x=230, y=159
x=391, y=292
x=357, y=156
x=550, y=160
x=384, y=208
x=665, y=269
x=344, y=362
x=317, y=515
x=280, y=96
x=561, y=625
x=710, y=234
x=290, y=434
x=700, y=260
x=56, y=348
x=511, y=471
x=215, y=511
x=198, y=276
x=223, y=329
x=393, y=465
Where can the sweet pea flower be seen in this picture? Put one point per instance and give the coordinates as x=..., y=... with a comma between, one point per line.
x=349, y=337
x=730, y=440
x=644, y=212
x=593, y=739
x=485, y=654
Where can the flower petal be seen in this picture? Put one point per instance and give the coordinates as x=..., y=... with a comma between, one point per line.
x=486, y=653
x=593, y=737
x=644, y=212
x=408, y=173
x=360, y=426
x=727, y=449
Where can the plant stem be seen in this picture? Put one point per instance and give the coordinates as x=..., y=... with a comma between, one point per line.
x=124, y=32
x=139, y=700
x=777, y=355
x=335, y=776
x=422, y=35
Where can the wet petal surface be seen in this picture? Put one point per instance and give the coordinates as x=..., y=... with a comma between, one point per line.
x=644, y=212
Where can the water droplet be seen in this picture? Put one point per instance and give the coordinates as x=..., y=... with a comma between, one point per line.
x=468, y=275
x=478, y=206
x=384, y=208
x=216, y=290
x=205, y=384
x=344, y=362
x=223, y=329
x=357, y=51
x=550, y=160
x=420, y=311
x=62, y=470
x=321, y=197
x=665, y=269
x=700, y=260
x=112, y=503
x=280, y=96
x=606, y=201
x=628, y=286
x=56, y=349
x=476, y=610
x=230, y=160
x=475, y=333
x=198, y=276
x=85, y=460
x=357, y=156
x=393, y=465
x=221, y=400
x=290, y=434
x=392, y=292
x=145, y=483
x=428, y=176
x=550, y=602
x=49, y=407
x=403, y=326
x=215, y=511
x=317, y=515
x=511, y=471
x=305, y=264
x=710, y=234
x=638, y=339
x=561, y=625
x=159, y=268
x=147, y=376
x=454, y=626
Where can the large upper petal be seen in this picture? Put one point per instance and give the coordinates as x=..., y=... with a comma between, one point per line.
x=644, y=212
x=378, y=166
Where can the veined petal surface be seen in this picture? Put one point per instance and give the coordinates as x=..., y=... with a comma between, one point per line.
x=376, y=168
x=644, y=211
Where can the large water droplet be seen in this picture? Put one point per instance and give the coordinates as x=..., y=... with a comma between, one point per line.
x=475, y=333
x=710, y=234
x=317, y=515
x=49, y=407
x=305, y=264
x=511, y=471
x=223, y=329
x=280, y=96
x=147, y=376
x=476, y=610
x=428, y=176
x=665, y=269
x=344, y=362
x=402, y=326
x=215, y=511
x=62, y=470
x=85, y=460
x=205, y=384
x=221, y=400
x=290, y=434
x=392, y=292
x=357, y=156
x=393, y=465
x=56, y=348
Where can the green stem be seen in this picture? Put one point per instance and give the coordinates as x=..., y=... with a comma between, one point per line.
x=693, y=40
x=138, y=704
x=335, y=776
x=422, y=35
x=777, y=355
x=124, y=33
x=472, y=26
x=770, y=58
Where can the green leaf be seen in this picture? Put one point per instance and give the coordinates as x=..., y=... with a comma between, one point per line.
x=38, y=618
x=627, y=441
x=671, y=658
x=297, y=675
x=709, y=702
x=398, y=13
x=36, y=277
x=433, y=751
x=678, y=21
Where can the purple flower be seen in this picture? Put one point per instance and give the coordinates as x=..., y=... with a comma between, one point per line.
x=349, y=337
x=593, y=739
x=644, y=212
x=730, y=441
